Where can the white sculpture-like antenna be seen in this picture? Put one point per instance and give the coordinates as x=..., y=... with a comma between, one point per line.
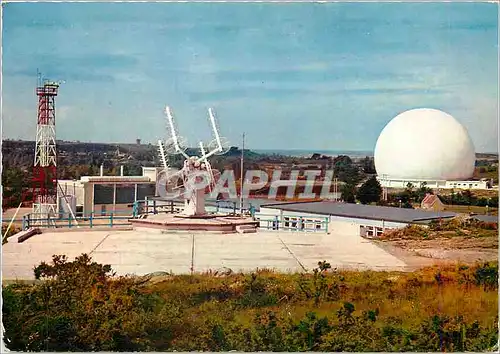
x=194, y=197
x=173, y=132
x=207, y=165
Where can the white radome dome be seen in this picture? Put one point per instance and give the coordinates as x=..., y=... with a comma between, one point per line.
x=424, y=144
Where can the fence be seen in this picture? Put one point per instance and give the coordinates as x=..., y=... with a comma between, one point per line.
x=174, y=206
x=112, y=219
x=292, y=223
x=142, y=207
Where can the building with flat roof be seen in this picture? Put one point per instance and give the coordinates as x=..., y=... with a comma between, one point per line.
x=344, y=218
x=391, y=182
x=102, y=195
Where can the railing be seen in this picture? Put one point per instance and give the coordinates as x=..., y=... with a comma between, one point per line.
x=111, y=219
x=141, y=207
x=174, y=206
x=298, y=224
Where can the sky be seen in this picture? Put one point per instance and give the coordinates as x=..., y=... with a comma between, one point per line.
x=291, y=76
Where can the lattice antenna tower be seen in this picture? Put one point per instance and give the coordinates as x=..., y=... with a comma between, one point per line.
x=44, y=181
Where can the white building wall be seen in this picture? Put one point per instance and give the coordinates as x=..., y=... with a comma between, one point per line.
x=151, y=172
x=74, y=188
x=353, y=226
x=435, y=184
x=336, y=224
x=466, y=185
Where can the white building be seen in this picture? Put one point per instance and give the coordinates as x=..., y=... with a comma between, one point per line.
x=434, y=184
x=102, y=195
x=343, y=218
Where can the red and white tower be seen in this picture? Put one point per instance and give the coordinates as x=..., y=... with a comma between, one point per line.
x=45, y=166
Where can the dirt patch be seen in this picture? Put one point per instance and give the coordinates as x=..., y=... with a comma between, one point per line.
x=422, y=253
x=449, y=243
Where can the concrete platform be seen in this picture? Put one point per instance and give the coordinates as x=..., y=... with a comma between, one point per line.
x=140, y=252
x=176, y=222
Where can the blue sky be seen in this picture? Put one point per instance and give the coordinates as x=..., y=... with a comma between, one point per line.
x=292, y=76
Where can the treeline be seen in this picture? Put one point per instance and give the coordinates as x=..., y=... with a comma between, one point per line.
x=468, y=198
x=21, y=154
x=16, y=181
x=371, y=192
x=81, y=306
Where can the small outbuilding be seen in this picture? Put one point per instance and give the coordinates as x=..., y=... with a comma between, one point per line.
x=432, y=202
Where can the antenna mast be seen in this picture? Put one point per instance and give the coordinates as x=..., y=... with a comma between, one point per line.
x=44, y=181
x=242, y=179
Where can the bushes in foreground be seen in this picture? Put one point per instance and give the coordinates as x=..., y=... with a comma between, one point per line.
x=444, y=228
x=83, y=306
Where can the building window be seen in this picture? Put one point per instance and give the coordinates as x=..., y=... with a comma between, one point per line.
x=103, y=193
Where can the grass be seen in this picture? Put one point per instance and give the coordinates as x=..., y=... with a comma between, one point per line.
x=471, y=209
x=327, y=310
x=462, y=227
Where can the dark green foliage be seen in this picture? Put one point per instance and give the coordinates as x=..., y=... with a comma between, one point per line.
x=348, y=193
x=318, y=286
x=409, y=196
x=368, y=165
x=370, y=191
x=255, y=294
x=487, y=276
x=468, y=198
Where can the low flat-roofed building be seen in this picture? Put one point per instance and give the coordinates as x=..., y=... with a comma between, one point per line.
x=434, y=184
x=355, y=219
x=102, y=195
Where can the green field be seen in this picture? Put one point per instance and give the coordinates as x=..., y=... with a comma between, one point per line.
x=466, y=209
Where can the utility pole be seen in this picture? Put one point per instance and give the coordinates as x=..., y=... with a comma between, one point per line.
x=241, y=173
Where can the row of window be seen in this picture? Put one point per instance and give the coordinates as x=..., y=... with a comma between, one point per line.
x=293, y=223
x=103, y=193
x=464, y=184
x=297, y=223
x=371, y=231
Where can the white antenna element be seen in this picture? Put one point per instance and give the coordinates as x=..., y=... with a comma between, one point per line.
x=193, y=187
x=214, y=127
x=210, y=172
x=173, y=132
x=161, y=150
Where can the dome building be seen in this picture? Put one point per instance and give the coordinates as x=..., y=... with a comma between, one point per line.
x=426, y=145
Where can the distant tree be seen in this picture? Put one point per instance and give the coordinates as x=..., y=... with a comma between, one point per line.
x=345, y=170
x=370, y=191
x=420, y=193
x=342, y=160
x=368, y=165
x=348, y=193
